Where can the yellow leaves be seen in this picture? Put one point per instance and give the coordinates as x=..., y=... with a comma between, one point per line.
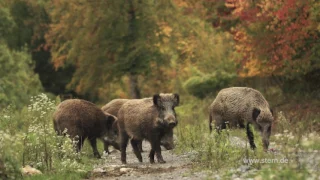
x=251, y=68
x=165, y=29
x=120, y=93
x=58, y=61
x=237, y=5
x=255, y=67
x=186, y=47
x=165, y=33
x=181, y=3
x=231, y=3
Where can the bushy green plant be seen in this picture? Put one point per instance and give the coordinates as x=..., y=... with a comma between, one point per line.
x=18, y=81
x=202, y=85
x=9, y=163
x=37, y=144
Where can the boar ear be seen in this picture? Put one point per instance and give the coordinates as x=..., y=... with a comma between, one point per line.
x=271, y=110
x=255, y=113
x=115, y=124
x=176, y=99
x=156, y=99
x=110, y=120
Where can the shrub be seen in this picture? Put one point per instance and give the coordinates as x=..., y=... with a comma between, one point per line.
x=37, y=144
x=202, y=85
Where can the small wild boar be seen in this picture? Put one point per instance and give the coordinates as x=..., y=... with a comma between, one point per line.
x=112, y=108
x=150, y=119
x=84, y=120
x=239, y=107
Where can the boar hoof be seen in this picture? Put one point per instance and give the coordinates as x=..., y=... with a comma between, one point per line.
x=97, y=156
x=162, y=161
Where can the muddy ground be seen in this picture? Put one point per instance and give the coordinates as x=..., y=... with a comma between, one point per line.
x=176, y=166
x=179, y=166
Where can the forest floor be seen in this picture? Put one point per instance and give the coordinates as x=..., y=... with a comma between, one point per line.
x=176, y=166
x=179, y=166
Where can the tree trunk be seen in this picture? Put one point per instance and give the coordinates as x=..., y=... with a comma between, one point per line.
x=133, y=77
x=134, y=88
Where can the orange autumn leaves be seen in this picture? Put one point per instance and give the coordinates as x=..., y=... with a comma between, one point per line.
x=272, y=35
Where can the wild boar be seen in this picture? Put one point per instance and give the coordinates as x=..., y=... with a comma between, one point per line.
x=83, y=120
x=150, y=119
x=240, y=107
x=112, y=108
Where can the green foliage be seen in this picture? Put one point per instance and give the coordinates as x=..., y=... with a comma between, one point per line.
x=37, y=143
x=116, y=43
x=225, y=153
x=6, y=23
x=21, y=33
x=279, y=173
x=9, y=164
x=23, y=24
x=202, y=85
x=18, y=81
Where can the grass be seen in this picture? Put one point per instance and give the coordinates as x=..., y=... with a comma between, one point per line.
x=28, y=138
x=293, y=139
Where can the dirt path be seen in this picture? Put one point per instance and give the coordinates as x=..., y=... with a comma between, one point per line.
x=179, y=167
x=176, y=167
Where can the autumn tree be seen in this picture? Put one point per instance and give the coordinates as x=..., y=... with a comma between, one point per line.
x=31, y=22
x=105, y=40
x=17, y=80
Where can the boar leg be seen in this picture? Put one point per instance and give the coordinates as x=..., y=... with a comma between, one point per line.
x=106, y=147
x=156, y=149
x=136, y=150
x=151, y=155
x=124, y=138
x=115, y=145
x=219, y=122
x=140, y=146
x=93, y=142
x=158, y=154
x=250, y=137
x=80, y=142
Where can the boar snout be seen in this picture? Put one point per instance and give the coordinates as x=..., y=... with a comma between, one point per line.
x=171, y=121
x=172, y=124
x=265, y=144
x=167, y=145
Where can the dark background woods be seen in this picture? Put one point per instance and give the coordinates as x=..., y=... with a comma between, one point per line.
x=100, y=50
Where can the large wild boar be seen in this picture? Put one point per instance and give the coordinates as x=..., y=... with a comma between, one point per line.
x=240, y=107
x=150, y=119
x=112, y=108
x=84, y=120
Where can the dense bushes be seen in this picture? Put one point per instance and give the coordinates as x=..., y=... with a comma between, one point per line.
x=28, y=138
x=202, y=85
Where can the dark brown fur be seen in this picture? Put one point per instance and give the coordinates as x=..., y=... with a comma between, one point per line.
x=85, y=120
x=149, y=119
x=112, y=108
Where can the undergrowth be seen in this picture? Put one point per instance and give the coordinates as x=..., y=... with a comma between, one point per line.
x=27, y=137
x=226, y=153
